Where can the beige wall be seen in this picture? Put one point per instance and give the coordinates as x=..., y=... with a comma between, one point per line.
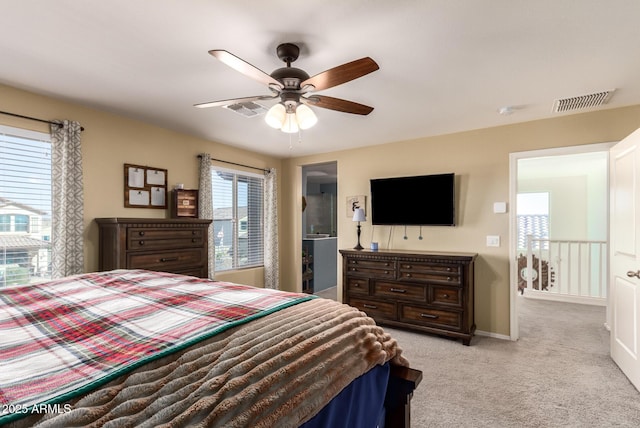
x=480, y=160
x=108, y=142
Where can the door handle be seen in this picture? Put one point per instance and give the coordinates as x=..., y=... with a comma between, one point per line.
x=631, y=274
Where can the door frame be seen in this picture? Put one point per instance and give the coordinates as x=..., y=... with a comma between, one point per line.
x=514, y=157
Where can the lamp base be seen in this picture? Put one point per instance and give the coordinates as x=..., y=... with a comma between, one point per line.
x=358, y=247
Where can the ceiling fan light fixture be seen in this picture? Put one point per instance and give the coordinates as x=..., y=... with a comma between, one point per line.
x=276, y=116
x=290, y=124
x=305, y=116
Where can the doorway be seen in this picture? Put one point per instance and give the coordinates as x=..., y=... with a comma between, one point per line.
x=320, y=229
x=559, y=208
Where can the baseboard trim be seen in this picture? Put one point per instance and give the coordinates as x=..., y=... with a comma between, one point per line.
x=494, y=335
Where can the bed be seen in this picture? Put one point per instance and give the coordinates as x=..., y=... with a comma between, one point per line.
x=141, y=348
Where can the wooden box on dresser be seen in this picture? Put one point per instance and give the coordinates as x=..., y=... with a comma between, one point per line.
x=165, y=245
x=431, y=292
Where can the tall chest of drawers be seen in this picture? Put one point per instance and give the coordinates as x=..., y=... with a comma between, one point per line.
x=165, y=245
x=431, y=292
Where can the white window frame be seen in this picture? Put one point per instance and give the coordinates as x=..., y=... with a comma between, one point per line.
x=40, y=272
x=236, y=262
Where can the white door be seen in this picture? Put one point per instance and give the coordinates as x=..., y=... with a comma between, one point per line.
x=624, y=300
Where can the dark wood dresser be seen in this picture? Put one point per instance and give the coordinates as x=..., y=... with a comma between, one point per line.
x=431, y=292
x=166, y=245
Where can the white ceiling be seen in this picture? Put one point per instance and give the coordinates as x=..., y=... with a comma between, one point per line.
x=445, y=65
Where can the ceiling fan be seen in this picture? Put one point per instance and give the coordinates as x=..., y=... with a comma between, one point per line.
x=295, y=88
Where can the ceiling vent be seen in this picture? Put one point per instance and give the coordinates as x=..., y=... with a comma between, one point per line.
x=247, y=109
x=582, y=101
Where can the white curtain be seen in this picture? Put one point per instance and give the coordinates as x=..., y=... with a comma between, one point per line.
x=205, y=207
x=67, y=202
x=271, y=259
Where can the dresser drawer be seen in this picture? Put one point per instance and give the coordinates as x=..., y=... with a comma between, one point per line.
x=167, y=261
x=400, y=291
x=430, y=272
x=431, y=317
x=446, y=296
x=357, y=286
x=141, y=238
x=374, y=308
x=377, y=268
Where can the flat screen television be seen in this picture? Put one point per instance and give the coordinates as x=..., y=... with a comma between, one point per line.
x=425, y=200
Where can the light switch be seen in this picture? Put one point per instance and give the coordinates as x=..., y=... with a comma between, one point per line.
x=499, y=207
x=493, y=240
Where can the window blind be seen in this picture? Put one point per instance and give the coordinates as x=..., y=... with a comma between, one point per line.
x=25, y=206
x=238, y=218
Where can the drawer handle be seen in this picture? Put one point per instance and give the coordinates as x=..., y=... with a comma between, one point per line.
x=449, y=278
x=194, y=240
x=193, y=232
x=370, y=306
x=141, y=233
x=356, y=285
x=408, y=275
x=386, y=272
x=449, y=269
x=433, y=317
x=397, y=290
x=446, y=296
x=168, y=259
x=141, y=242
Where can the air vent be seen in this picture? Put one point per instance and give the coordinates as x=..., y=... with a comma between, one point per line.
x=582, y=101
x=247, y=109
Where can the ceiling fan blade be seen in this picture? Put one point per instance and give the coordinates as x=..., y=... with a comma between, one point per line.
x=244, y=67
x=337, y=104
x=235, y=101
x=341, y=74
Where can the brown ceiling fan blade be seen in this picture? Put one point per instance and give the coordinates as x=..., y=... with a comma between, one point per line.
x=244, y=67
x=341, y=74
x=337, y=104
x=222, y=103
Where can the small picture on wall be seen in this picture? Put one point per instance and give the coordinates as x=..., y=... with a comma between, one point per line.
x=354, y=202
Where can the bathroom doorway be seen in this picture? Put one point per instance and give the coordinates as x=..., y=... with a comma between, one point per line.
x=320, y=229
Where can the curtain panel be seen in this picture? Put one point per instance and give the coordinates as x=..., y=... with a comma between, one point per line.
x=67, y=223
x=205, y=207
x=271, y=257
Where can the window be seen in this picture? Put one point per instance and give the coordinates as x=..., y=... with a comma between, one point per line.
x=533, y=218
x=25, y=206
x=238, y=218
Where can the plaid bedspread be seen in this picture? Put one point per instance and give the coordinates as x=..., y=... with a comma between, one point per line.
x=62, y=338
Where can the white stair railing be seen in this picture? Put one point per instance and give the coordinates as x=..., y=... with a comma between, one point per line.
x=568, y=270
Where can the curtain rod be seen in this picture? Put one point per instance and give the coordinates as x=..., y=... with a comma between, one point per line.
x=35, y=119
x=239, y=164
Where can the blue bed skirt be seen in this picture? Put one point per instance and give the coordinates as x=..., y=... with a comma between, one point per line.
x=359, y=405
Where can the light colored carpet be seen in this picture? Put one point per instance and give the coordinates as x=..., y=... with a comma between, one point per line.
x=559, y=374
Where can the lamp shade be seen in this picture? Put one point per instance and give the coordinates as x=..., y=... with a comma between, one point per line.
x=305, y=116
x=358, y=215
x=290, y=124
x=276, y=116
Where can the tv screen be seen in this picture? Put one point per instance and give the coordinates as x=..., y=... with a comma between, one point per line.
x=425, y=200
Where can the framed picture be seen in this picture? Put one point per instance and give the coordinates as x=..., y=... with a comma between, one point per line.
x=353, y=202
x=145, y=187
